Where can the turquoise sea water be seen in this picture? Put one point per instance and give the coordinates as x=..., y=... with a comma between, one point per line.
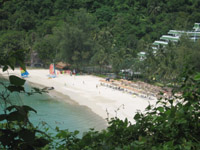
x=59, y=113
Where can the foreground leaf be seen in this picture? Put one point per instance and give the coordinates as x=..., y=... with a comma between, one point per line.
x=28, y=108
x=16, y=80
x=197, y=77
x=16, y=88
x=5, y=68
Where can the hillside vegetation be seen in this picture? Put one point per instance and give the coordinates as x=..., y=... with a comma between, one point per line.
x=95, y=32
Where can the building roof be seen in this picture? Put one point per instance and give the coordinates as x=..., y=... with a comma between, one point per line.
x=171, y=38
x=193, y=33
x=141, y=53
x=160, y=43
x=61, y=65
x=155, y=48
x=176, y=32
x=190, y=33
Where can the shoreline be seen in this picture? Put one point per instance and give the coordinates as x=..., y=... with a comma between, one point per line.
x=54, y=94
x=85, y=90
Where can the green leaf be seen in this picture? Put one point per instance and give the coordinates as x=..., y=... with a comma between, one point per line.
x=6, y=137
x=3, y=117
x=25, y=146
x=12, y=107
x=197, y=77
x=57, y=129
x=161, y=109
x=41, y=142
x=76, y=132
x=182, y=121
x=171, y=101
x=16, y=116
x=15, y=88
x=16, y=80
x=12, y=61
x=148, y=108
x=137, y=116
x=5, y=68
x=28, y=108
x=37, y=90
x=27, y=135
x=24, y=108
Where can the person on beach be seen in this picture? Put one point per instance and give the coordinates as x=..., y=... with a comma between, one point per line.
x=74, y=72
x=108, y=79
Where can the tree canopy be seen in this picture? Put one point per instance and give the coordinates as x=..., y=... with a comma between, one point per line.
x=89, y=32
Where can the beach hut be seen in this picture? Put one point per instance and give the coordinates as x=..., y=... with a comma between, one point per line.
x=62, y=67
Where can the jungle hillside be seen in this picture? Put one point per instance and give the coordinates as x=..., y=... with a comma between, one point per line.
x=101, y=33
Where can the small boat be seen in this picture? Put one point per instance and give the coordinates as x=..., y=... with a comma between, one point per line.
x=52, y=72
x=24, y=73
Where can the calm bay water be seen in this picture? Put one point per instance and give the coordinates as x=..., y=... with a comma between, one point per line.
x=58, y=113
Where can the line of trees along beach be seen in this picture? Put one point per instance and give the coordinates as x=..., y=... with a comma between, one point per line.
x=104, y=33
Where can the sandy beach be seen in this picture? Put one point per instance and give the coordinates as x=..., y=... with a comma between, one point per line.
x=87, y=91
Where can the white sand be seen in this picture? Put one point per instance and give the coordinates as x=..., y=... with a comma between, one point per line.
x=82, y=89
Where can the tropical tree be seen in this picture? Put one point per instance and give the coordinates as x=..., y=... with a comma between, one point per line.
x=75, y=38
x=44, y=46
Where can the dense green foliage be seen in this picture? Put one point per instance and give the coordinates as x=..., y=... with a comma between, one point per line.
x=90, y=32
x=104, y=32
